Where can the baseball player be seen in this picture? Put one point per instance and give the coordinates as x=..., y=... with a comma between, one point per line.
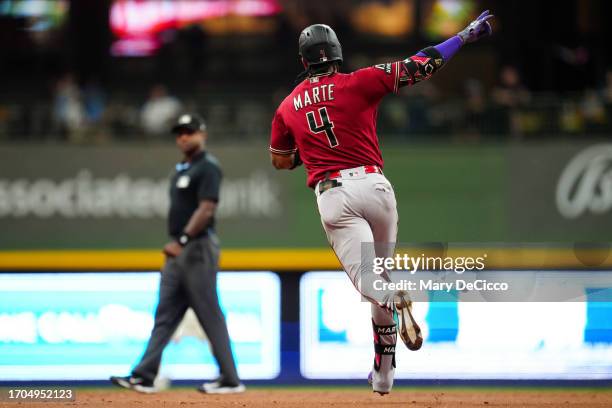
x=328, y=123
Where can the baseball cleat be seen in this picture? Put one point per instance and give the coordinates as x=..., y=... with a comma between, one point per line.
x=409, y=330
x=221, y=387
x=135, y=383
x=371, y=382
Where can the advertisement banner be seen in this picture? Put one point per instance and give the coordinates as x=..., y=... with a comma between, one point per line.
x=89, y=326
x=56, y=197
x=562, y=191
x=116, y=197
x=462, y=340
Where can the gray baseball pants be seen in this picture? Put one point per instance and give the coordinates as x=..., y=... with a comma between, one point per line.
x=363, y=210
x=190, y=280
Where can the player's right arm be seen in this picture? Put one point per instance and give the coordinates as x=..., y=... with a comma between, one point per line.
x=283, y=151
x=429, y=60
x=382, y=79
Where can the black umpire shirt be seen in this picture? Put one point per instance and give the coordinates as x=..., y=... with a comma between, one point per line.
x=192, y=183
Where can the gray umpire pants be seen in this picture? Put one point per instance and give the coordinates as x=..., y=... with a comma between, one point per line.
x=190, y=280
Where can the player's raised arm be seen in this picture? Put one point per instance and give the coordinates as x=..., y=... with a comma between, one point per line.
x=429, y=60
x=377, y=81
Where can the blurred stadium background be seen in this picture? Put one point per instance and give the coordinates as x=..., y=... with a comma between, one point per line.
x=510, y=143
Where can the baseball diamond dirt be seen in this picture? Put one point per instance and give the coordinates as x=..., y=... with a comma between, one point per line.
x=339, y=397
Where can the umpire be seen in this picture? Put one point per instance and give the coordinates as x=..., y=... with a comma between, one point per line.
x=189, y=276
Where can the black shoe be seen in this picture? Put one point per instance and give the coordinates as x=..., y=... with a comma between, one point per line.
x=135, y=383
x=221, y=387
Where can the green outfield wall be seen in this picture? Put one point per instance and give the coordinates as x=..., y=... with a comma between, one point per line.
x=115, y=197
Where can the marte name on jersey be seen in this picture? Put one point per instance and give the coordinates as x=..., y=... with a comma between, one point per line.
x=321, y=93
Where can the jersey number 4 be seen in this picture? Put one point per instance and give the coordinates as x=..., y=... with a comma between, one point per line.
x=327, y=126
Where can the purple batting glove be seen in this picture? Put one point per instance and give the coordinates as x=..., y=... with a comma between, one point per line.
x=477, y=29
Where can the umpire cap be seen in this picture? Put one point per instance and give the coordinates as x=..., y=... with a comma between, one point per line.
x=319, y=44
x=190, y=122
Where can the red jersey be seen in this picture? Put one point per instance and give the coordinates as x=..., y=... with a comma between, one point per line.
x=331, y=120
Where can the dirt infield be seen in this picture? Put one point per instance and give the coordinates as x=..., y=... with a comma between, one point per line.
x=336, y=397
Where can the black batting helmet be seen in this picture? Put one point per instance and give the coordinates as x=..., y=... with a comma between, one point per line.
x=319, y=44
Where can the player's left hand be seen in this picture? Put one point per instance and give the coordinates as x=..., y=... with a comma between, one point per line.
x=172, y=249
x=297, y=160
x=477, y=29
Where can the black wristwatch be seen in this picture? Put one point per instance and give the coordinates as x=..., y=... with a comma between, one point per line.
x=184, y=239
